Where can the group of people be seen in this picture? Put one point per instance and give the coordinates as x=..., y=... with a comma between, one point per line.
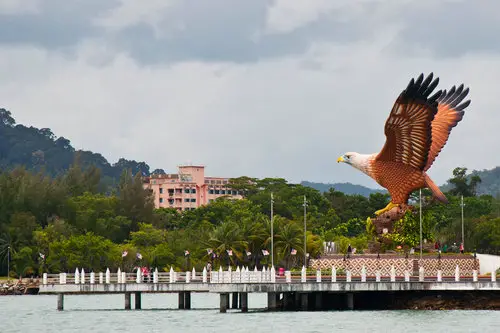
x=454, y=248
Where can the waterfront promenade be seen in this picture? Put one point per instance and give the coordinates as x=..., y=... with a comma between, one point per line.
x=289, y=291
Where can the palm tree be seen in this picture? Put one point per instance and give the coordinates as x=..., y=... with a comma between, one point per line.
x=289, y=236
x=227, y=236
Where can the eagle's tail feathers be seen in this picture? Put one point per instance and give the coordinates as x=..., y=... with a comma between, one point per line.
x=435, y=190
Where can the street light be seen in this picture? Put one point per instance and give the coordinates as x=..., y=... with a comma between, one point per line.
x=305, y=228
x=272, y=231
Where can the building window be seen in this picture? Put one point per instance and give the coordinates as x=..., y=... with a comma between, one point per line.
x=171, y=201
x=186, y=200
x=210, y=191
x=161, y=200
x=186, y=190
x=193, y=190
x=161, y=190
x=193, y=200
x=224, y=182
x=218, y=182
x=222, y=192
x=217, y=191
x=234, y=192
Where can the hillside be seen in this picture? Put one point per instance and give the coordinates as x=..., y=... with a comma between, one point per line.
x=40, y=149
x=346, y=188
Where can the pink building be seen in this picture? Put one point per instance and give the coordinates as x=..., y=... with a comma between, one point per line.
x=188, y=189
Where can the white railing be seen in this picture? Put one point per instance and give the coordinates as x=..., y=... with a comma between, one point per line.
x=240, y=275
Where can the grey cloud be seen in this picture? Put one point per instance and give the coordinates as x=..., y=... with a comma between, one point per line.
x=58, y=24
x=452, y=29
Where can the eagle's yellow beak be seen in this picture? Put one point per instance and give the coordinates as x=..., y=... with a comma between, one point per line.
x=340, y=159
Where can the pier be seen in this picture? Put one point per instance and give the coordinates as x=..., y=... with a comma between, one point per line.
x=295, y=292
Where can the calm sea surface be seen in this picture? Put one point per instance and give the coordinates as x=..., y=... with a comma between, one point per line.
x=104, y=314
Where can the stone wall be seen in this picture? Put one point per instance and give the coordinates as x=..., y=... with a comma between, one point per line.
x=383, y=264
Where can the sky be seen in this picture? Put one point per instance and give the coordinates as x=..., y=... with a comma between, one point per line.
x=262, y=88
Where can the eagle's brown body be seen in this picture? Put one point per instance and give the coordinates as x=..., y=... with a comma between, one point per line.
x=417, y=129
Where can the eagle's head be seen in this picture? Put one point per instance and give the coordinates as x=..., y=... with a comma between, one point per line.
x=356, y=160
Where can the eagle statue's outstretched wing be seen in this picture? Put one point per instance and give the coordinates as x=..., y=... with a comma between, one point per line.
x=408, y=129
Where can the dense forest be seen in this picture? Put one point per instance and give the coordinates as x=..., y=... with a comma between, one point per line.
x=59, y=211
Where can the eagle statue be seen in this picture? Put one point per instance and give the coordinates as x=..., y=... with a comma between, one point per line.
x=416, y=131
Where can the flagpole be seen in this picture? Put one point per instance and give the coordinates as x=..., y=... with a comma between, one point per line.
x=272, y=231
x=8, y=263
x=420, y=198
x=305, y=228
x=462, y=206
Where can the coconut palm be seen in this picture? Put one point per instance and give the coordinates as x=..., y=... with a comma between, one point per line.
x=289, y=236
x=228, y=236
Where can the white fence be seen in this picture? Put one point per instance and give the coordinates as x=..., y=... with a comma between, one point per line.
x=240, y=275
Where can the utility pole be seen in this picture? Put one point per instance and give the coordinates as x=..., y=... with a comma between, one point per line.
x=420, y=198
x=305, y=228
x=462, y=206
x=272, y=231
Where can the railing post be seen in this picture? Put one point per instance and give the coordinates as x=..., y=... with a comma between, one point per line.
x=474, y=275
x=172, y=277
x=108, y=276
x=348, y=276
x=220, y=278
x=377, y=276
x=334, y=274
x=119, y=276
x=493, y=276
x=439, y=275
x=61, y=278
x=393, y=274
x=230, y=273
x=44, y=278
x=457, y=274
x=77, y=276
x=65, y=276
x=288, y=277
x=155, y=275
x=188, y=277
x=273, y=275
x=204, y=279
x=264, y=277
x=363, y=274
x=318, y=275
x=303, y=274
x=92, y=278
x=138, y=276
x=82, y=277
x=193, y=274
x=124, y=277
x=421, y=274
x=407, y=276
x=101, y=277
x=238, y=275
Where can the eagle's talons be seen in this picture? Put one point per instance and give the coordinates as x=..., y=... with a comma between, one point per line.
x=387, y=208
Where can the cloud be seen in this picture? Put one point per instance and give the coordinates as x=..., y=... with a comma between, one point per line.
x=235, y=86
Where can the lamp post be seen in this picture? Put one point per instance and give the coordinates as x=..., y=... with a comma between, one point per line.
x=462, y=207
x=305, y=228
x=8, y=263
x=272, y=231
x=420, y=198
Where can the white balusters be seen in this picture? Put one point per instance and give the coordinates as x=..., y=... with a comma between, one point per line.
x=188, y=277
x=77, y=276
x=474, y=275
x=393, y=274
x=303, y=275
x=82, y=277
x=92, y=278
x=204, y=275
x=363, y=274
x=119, y=276
x=124, y=277
x=407, y=276
x=193, y=274
x=288, y=276
x=377, y=276
x=108, y=276
x=44, y=278
x=155, y=275
x=334, y=274
x=138, y=275
x=273, y=275
x=172, y=275
x=318, y=275
x=439, y=275
x=493, y=276
x=421, y=274
x=61, y=278
x=457, y=274
x=230, y=275
x=101, y=277
x=348, y=276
